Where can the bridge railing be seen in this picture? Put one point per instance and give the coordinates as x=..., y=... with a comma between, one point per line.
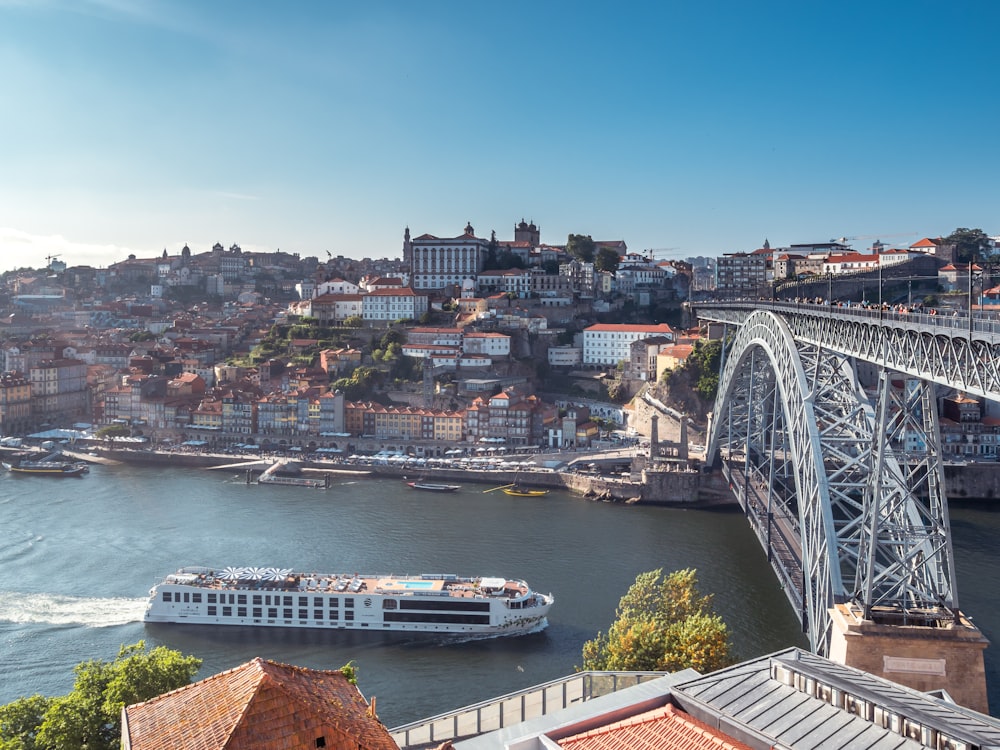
x=514, y=708
x=983, y=322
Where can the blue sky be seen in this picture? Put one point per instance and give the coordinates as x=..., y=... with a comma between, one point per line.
x=693, y=127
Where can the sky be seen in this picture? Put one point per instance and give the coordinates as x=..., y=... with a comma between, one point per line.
x=688, y=128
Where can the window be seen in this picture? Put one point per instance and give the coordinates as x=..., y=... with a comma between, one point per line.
x=257, y=612
x=211, y=598
x=287, y=613
x=212, y=610
x=241, y=611
x=303, y=601
x=288, y=601
x=196, y=598
x=257, y=599
x=317, y=614
x=241, y=599
x=167, y=596
x=227, y=611
x=272, y=612
x=303, y=614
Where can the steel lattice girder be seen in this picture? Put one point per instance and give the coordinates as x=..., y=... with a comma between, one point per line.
x=792, y=405
x=939, y=349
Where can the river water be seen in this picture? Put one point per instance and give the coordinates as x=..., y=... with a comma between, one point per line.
x=79, y=555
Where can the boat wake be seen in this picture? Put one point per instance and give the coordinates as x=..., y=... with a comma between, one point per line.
x=55, y=609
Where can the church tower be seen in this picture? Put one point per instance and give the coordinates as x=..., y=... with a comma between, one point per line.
x=407, y=251
x=527, y=233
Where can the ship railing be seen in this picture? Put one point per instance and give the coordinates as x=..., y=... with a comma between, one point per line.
x=514, y=708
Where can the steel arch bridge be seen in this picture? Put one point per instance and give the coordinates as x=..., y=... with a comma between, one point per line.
x=845, y=495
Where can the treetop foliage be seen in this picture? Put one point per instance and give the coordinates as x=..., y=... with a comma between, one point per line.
x=663, y=623
x=582, y=247
x=969, y=243
x=89, y=717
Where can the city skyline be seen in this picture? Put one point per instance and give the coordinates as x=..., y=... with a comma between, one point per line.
x=331, y=128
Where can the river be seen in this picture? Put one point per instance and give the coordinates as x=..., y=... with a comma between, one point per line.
x=79, y=555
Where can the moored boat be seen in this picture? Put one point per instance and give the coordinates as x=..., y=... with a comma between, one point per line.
x=517, y=491
x=53, y=464
x=279, y=597
x=433, y=486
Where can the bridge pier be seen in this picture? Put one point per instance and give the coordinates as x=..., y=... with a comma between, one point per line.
x=948, y=656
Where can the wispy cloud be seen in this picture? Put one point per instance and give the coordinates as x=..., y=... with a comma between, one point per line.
x=23, y=249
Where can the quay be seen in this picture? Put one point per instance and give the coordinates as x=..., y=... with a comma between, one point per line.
x=671, y=484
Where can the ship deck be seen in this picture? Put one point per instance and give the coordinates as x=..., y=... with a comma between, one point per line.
x=317, y=583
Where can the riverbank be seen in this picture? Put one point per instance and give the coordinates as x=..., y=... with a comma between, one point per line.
x=658, y=488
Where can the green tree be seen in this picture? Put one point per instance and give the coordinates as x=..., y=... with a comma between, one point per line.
x=662, y=624
x=20, y=720
x=90, y=716
x=581, y=247
x=112, y=431
x=969, y=243
x=606, y=260
x=354, y=321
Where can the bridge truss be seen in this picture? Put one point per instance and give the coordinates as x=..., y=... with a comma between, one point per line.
x=845, y=496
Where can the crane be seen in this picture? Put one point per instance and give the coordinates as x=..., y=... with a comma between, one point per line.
x=845, y=240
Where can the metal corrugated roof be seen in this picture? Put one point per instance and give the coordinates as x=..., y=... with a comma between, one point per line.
x=746, y=695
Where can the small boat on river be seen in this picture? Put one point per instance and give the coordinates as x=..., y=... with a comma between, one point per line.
x=52, y=465
x=517, y=491
x=433, y=486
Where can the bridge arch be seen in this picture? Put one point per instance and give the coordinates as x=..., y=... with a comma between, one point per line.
x=794, y=432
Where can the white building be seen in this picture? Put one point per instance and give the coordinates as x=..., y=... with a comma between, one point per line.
x=393, y=304
x=610, y=343
x=565, y=356
x=335, y=308
x=336, y=286
x=489, y=344
x=437, y=262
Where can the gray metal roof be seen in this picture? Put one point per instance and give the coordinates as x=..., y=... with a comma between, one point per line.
x=745, y=698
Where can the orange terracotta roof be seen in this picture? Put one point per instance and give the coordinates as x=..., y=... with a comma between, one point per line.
x=665, y=727
x=260, y=704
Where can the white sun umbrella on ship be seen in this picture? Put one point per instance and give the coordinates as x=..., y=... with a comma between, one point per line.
x=254, y=573
x=231, y=574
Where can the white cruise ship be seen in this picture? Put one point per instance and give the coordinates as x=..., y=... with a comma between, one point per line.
x=280, y=597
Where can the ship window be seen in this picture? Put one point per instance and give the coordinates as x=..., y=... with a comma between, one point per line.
x=388, y=604
x=167, y=596
x=227, y=611
x=241, y=611
x=334, y=602
x=317, y=614
x=287, y=613
x=288, y=601
x=349, y=603
x=349, y=616
x=187, y=597
x=257, y=612
x=317, y=601
x=303, y=614
x=272, y=612
x=257, y=599
x=211, y=598
x=212, y=610
x=196, y=598
x=303, y=601
x=241, y=599
x=231, y=597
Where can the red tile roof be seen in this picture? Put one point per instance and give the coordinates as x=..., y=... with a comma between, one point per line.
x=665, y=727
x=260, y=704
